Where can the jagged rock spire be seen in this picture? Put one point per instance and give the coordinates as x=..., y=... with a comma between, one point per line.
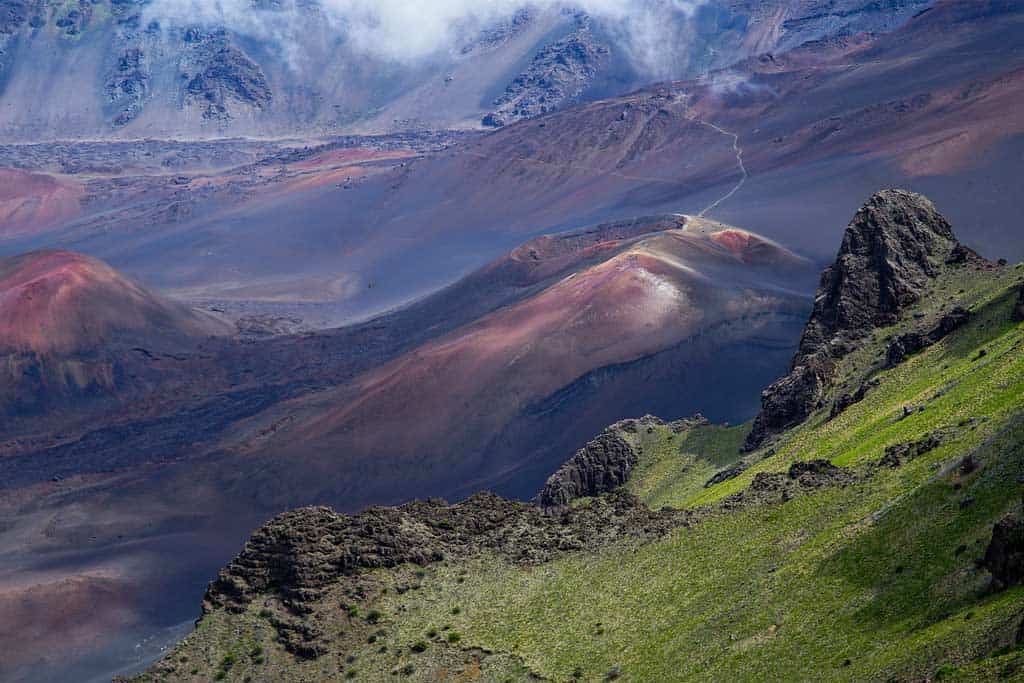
x=896, y=245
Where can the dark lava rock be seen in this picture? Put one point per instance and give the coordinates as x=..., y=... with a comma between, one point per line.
x=218, y=73
x=128, y=84
x=802, y=477
x=892, y=250
x=557, y=76
x=1018, y=309
x=602, y=465
x=912, y=342
x=727, y=474
x=900, y=454
x=1004, y=557
x=297, y=556
x=847, y=400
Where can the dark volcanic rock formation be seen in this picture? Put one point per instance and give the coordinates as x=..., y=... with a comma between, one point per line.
x=128, y=84
x=768, y=488
x=1004, y=557
x=300, y=554
x=602, y=465
x=899, y=454
x=218, y=73
x=558, y=75
x=912, y=342
x=894, y=248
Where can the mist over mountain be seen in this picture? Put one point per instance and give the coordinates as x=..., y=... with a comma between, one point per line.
x=649, y=31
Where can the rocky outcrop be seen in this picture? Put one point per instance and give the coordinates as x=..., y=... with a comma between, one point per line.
x=902, y=453
x=846, y=400
x=299, y=555
x=727, y=474
x=601, y=466
x=894, y=248
x=912, y=342
x=1004, y=557
x=217, y=74
x=128, y=85
x=1018, y=309
x=557, y=76
x=768, y=488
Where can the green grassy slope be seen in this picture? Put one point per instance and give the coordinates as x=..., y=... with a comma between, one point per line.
x=872, y=581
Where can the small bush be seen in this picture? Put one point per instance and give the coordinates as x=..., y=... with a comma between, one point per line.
x=374, y=616
x=454, y=637
x=372, y=639
x=408, y=669
x=431, y=632
x=946, y=671
x=419, y=646
x=456, y=610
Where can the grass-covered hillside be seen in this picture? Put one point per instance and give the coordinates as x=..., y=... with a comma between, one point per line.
x=867, y=567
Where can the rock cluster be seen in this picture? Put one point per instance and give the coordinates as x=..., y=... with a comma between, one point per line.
x=556, y=77
x=896, y=245
x=912, y=342
x=1004, y=557
x=218, y=73
x=771, y=487
x=127, y=85
x=299, y=554
x=899, y=454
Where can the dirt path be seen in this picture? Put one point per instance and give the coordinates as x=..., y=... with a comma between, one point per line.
x=739, y=159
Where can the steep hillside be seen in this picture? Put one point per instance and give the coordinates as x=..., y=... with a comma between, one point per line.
x=882, y=542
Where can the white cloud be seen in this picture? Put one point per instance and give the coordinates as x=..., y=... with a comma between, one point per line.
x=406, y=31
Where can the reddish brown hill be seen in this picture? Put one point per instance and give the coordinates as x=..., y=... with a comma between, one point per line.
x=60, y=302
x=70, y=326
x=693, y=290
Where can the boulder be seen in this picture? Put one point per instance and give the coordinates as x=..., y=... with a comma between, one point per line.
x=1004, y=557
